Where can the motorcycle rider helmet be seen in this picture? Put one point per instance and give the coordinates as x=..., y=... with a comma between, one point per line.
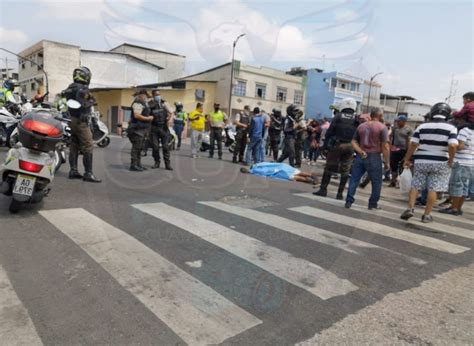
x=441, y=110
x=291, y=109
x=82, y=75
x=276, y=112
x=8, y=84
x=179, y=106
x=348, y=104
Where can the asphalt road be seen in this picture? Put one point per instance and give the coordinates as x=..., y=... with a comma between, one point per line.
x=206, y=255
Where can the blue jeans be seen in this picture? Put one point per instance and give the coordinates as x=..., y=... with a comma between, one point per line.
x=373, y=165
x=254, y=149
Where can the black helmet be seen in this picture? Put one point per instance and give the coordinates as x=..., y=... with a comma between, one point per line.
x=82, y=75
x=440, y=110
x=276, y=112
x=291, y=109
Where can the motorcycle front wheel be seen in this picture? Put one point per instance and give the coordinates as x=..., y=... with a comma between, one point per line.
x=103, y=143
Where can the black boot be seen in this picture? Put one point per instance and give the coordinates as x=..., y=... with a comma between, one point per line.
x=342, y=185
x=89, y=176
x=323, y=188
x=156, y=165
x=74, y=173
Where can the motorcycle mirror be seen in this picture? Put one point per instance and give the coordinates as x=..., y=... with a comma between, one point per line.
x=73, y=104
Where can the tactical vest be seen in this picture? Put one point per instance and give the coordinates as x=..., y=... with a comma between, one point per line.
x=146, y=112
x=275, y=124
x=73, y=92
x=289, y=126
x=160, y=115
x=244, y=119
x=345, y=127
x=216, y=118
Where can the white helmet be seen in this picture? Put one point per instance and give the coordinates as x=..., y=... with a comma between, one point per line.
x=348, y=103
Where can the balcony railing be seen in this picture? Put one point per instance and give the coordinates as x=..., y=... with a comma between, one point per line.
x=348, y=92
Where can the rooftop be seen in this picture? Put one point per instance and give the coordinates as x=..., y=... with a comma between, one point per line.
x=123, y=54
x=146, y=48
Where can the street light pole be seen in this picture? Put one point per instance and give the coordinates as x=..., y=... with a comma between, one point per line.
x=34, y=63
x=370, y=89
x=232, y=74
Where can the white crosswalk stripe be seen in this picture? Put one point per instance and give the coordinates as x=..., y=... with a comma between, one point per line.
x=16, y=327
x=296, y=271
x=458, y=231
x=194, y=311
x=305, y=231
x=437, y=215
x=383, y=230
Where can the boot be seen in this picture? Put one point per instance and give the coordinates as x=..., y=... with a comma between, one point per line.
x=168, y=167
x=342, y=185
x=156, y=165
x=234, y=159
x=74, y=173
x=89, y=176
x=323, y=188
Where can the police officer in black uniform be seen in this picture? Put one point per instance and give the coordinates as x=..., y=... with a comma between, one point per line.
x=242, y=123
x=81, y=135
x=138, y=128
x=274, y=132
x=160, y=132
x=291, y=125
x=338, y=145
x=299, y=137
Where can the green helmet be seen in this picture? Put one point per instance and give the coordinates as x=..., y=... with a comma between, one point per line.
x=82, y=75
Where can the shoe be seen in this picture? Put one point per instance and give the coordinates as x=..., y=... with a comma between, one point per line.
x=143, y=168
x=135, y=168
x=450, y=211
x=234, y=160
x=392, y=184
x=348, y=205
x=321, y=192
x=220, y=157
x=339, y=197
x=156, y=165
x=210, y=156
x=194, y=156
x=75, y=175
x=90, y=178
x=407, y=214
x=427, y=218
x=375, y=208
x=362, y=186
x=168, y=168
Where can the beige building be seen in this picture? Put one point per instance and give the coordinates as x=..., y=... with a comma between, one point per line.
x=262, y=87
x=123, y=67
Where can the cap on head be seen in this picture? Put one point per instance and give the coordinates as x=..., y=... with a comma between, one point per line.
x=402, y=118
x=142, y=92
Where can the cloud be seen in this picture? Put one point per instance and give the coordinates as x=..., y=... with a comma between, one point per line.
x=10, y=37
x=80, y=10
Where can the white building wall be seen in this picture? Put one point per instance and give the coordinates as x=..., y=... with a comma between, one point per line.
x=173, y=65
x=117, y=70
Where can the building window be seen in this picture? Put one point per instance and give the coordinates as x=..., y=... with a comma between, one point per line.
x=260, y=91
x=240, y=89
x=33, y=86
x=281, y=94
x=333, y=83
x=343, y=85
x=200, y=94
x=298, y=97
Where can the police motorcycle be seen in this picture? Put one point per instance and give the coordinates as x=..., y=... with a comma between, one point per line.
x=230, y=133
x=100, y=131
x=9, y=118
x=29, y=166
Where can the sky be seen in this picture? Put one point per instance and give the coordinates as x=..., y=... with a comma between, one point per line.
x=420, y=46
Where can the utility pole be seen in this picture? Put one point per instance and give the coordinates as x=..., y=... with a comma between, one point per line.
x=452, y=90
x=370, y=89
x=232, y=74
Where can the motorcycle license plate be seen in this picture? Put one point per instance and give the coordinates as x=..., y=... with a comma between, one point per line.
x=24, y=185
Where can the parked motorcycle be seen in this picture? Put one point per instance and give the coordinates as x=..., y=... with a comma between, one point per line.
x=100, y=132
x=8, y=123
x=228, y=137
x=30, y=165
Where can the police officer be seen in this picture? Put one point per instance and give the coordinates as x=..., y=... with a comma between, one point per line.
x=6, y=92
x=218, y=120
x=275, y=132
x=160, y=133
x=81, y=134
x=180, y=117
x=338, y=145
x=300, y=137
x=138, y=128
x=242, y=123
x=290, y=127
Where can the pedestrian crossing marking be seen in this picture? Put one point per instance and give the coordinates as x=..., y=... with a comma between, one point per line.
x=437, y=215
x=16, y=326
x=383, y=230
x=296, y=271
x=306, y=231
x=194, y=311
x=458, y=231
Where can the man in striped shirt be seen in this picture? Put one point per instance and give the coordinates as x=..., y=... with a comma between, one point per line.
x=433, y=147
x=463, y=169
